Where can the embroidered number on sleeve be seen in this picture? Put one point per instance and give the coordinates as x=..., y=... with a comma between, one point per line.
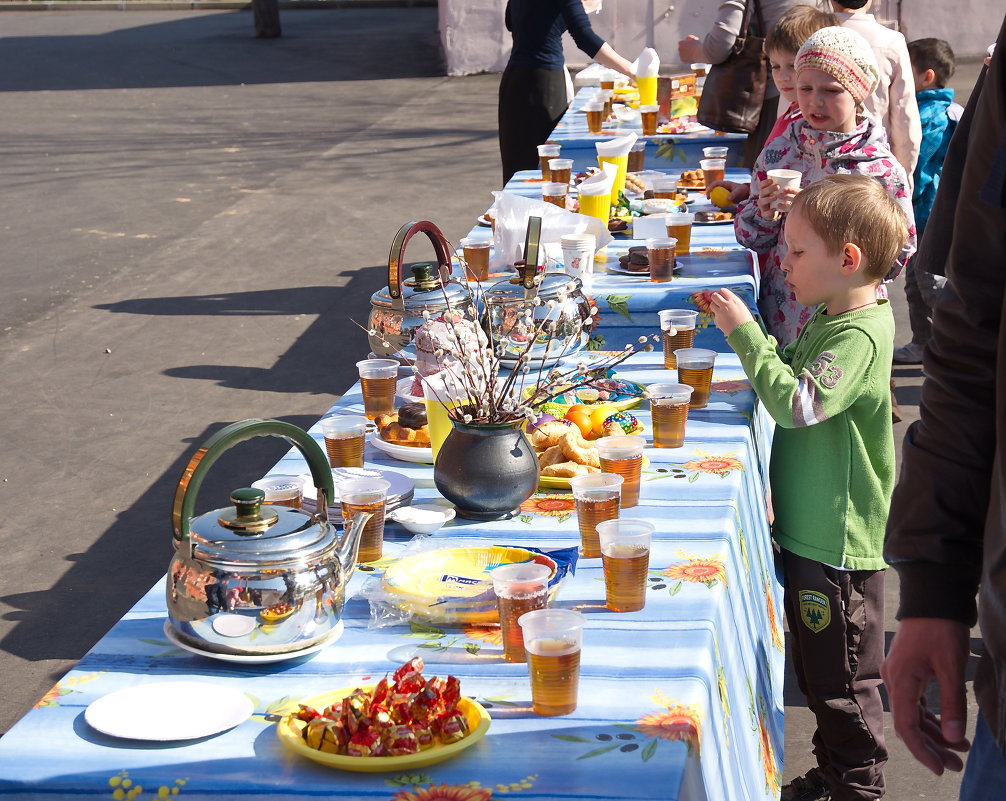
x=827, y=373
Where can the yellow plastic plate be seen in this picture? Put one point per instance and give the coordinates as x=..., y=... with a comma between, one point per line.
x=289, y=732
x=559, y=409
x=555, y=482
x=453, y=585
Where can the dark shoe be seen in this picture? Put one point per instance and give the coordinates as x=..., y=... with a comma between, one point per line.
x=909, y=354
x=809, y=787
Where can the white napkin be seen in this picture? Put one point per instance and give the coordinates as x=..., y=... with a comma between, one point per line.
x=647, y=65
x=619, y=146
x=513, y=212
x=599, y=184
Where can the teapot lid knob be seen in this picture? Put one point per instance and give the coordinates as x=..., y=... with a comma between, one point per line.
x=247, y=516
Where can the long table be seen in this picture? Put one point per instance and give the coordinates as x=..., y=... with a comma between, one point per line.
x=684, y=696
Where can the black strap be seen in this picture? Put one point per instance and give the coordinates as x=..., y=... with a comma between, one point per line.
x=745, y=30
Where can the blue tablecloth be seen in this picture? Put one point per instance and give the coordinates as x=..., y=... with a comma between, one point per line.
x=684, y=696
x=663, y=151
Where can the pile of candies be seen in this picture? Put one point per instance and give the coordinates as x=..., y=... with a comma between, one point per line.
x=403, y=716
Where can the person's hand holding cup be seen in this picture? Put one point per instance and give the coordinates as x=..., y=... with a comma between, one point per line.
x=785, y=186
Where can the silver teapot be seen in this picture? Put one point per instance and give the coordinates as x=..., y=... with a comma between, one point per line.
x=255, y=579
x=397, y=310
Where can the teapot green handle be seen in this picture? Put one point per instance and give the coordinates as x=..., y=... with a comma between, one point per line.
x=441, y=246
x=227, y=437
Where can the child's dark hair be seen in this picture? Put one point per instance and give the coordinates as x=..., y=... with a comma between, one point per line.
x=933, y=54
x=795, y=26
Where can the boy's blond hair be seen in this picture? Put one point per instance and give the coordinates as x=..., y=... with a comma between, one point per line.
x=856, y=209
x=795, y=27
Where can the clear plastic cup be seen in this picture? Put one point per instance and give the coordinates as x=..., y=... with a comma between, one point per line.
x=682, y=322
x=625, y=555
x=637, y=157
x=345, y=438
x=555, y=193
x=679, y=226
x=553, y=639
x=623, y=455
x=476, y=252
x=378, y=378
x=660, y=254
x=561, y=170
x=713, y=170
x=281, y=490
x=545, y=153
x=715, y=152
x=360, y=495
x=695, y=368
x=665, y=186
x=519, y=589
x=595, y=115
x=669, y=413
x=598, y=497
x=648, y=119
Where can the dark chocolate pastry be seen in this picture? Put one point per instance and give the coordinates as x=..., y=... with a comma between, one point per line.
x=412, y=415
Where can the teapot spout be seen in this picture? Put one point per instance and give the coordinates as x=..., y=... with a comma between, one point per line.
x=349, y=545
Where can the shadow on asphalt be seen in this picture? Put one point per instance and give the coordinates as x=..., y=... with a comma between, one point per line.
x=96, y=584
x=220, y=48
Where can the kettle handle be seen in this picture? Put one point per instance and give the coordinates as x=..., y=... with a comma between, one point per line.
x=405, y=233
x=211, y=450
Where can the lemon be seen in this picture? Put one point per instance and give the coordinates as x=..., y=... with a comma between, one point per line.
x=720, y=196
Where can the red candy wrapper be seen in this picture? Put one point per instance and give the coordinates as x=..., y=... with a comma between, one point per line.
x=306, y=713
x=403, y=741
x=414, y=665
x=381, y=692
x=450, y=727
x=409, y=684
x=366, y=742
x=424, y=705
x=451, y=694
x=424, y=735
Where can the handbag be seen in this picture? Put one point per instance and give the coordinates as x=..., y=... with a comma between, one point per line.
x=734, y=90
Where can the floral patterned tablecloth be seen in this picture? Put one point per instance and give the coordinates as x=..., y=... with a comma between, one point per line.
x=681, y=700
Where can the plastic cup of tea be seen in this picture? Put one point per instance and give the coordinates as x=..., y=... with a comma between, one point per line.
x=623, y=455
x=625, y=556
x=476, y=252
x=378, y=378
x=555, y=193
x=545, y=153
x=695, y=368
x=648, y=119
x=637, y=156
x=598, y=497
x=595, y=115
x=345, y=437
x=669, y=413
x=715, y=152
x=361, y=495
x=578, y=256
x=665, y=186
x=553, y=639
x=679, y=226
x=561, y=170
x=682, y=322
x=519, y=589
x=660, y=254
x=713, y=170
x=281, y=490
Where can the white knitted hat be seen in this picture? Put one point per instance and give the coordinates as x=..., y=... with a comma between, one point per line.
x=845, y=55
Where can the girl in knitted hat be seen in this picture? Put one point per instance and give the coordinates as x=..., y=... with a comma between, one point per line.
x=835, y=70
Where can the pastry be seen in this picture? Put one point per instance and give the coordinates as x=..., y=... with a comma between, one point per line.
x=576, y=449
x=393, y=429
x=412, y=415
x=565, y=470
x=550, y=456
x=548, y=434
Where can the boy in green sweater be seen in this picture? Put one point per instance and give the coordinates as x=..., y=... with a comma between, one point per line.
x=832, y=466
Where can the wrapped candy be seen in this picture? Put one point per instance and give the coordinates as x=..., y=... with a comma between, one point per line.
x=380, y=693
x=324, y=734
x=403, y=741
x=414, y=665
x=424, y=735
x=450, y=726
x=424, y=705
x=366, y=742
x=306, y=713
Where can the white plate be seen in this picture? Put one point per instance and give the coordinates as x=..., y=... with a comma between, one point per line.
x=257, y=659
x=169, y=710
x=402, y=452
x=402, y=391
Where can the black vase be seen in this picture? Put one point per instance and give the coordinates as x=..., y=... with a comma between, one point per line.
x=486, y=471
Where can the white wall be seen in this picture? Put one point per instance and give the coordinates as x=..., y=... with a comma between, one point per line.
x=475, y=40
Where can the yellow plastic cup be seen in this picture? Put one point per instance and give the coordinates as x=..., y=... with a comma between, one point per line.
x=647, y=87
x=439, y=423
x=622, y=163
x=596, y=206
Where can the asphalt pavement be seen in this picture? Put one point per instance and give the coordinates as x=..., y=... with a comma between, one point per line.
x=193, y=222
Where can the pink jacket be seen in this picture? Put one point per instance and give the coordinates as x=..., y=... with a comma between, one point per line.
x=815, y=154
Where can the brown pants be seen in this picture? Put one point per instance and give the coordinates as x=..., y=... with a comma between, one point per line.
x=836, y=621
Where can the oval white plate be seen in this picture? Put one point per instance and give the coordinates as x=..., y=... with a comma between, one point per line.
x=169, y=710
x=402, y=452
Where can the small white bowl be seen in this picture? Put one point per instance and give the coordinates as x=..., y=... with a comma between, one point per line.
x=422, y=518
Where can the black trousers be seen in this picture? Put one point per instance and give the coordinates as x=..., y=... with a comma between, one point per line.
x=531, y=101
x=836, y=622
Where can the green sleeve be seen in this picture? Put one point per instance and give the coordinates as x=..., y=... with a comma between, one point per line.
x=831, y=381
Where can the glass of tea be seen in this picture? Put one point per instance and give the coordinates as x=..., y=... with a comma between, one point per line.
x=361, y=495
x=555, y=193
x=345, y=437
x=682, y=322
x=519, y=589
x=561, y=170
x=695, y=368
x=552, y=639
x=660, y=254
x=546, y=152
x=476, y=252
x=281, y=490
x=669, y=413
x=598, y=497
x=623, y=455
x=378, y=378
x=665, y=186
x=625, y=555
x=595, y=116
x=637, y=157
x=679, y=226
x=713, y=170
x=648, y=119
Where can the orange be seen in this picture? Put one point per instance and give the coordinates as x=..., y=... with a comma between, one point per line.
x=580, y=416
x=599, y=415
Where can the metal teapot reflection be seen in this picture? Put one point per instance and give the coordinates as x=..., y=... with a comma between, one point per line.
x=256, y=580
x=397, y=311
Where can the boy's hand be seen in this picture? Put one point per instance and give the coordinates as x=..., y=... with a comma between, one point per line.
x=729, y=310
